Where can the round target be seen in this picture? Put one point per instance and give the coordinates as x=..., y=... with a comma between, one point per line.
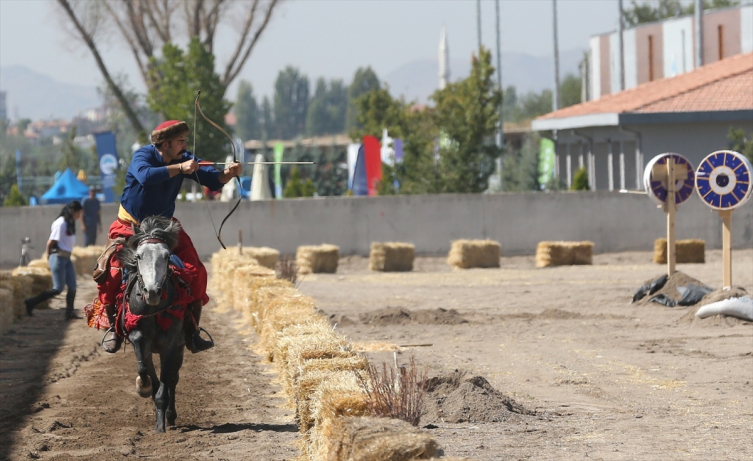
x=655, y=178
x=723, y=180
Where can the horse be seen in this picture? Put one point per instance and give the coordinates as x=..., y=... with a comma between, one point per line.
x=150, y=294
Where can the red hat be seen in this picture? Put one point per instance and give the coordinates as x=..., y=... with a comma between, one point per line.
x=168, y=130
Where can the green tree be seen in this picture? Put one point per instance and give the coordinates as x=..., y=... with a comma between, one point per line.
x=296, y=187
x=467, y=112
x=15, y=198
x=639, y=13
x=570, y=90
x=291, y=101
x=364, y=81
x=176, y=80
x=73, y=157
x=326, y=112
x=520, y=167
x=22, y=124
x=580, y=180
x=740, y=143
x=267, y=120
x=247, y=113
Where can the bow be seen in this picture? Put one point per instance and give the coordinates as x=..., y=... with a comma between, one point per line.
x=235, y=160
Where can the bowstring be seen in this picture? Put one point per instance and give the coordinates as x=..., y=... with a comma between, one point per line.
x=196, y=173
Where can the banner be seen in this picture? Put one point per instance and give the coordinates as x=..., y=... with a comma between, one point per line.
x=353, y=150
x=360, y=184
x=18, y=169
x=373, y=157
x=279, y=149
x=546, y=161
x=108, y=162
x=398, y=143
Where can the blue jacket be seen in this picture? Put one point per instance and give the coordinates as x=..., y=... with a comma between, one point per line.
x=149, y=189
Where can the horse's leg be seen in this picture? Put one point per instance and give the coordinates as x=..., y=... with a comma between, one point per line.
x=171, y=414
x=147, y=376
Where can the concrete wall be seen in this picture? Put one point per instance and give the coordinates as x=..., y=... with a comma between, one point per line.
x=613, y=221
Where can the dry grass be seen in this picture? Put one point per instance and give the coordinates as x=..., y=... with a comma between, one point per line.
x=465, y=254
x=396, y=394
x=686, y=251
x=287, y=269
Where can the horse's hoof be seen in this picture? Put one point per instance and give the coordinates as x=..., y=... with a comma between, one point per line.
x=144, y=388
x=170, y=417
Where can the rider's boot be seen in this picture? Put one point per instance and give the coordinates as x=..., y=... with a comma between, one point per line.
x=69, y=312
x=41, y=297
x=194, y=342
x=111, y=342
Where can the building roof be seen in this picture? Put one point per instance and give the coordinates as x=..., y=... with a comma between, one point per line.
x=725, y=85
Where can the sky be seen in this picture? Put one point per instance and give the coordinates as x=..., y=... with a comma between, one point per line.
x=323, y=38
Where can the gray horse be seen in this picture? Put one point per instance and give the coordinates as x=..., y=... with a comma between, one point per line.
x=150, y=293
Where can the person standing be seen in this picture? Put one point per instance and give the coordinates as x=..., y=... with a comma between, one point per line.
x=59, y=247
x=91, y=224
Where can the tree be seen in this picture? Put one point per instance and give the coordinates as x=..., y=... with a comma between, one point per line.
x=291, y=102
x=327, y=109
x=247, y=114
x=364, y=81
x=267, y=120
x=15, y=198
x=467, y=112
x=520, y=167
x=580, y=180
x=72, y=156
x=646, y=11
x=740, y=143
x=147, y=25
x=570, y=90
x=177, y=78
x=296, y=187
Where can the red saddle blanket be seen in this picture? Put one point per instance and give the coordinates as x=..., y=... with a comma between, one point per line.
x=97, y=317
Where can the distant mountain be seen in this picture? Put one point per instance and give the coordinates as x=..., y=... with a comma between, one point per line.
x=417, y=80
x=38, y=96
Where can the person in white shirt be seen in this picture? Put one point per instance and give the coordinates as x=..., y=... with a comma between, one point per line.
x=59, y=247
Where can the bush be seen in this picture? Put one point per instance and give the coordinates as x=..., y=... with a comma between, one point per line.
x=580, y=180
x=15, y=198
x=395, y=394
x=296, y=187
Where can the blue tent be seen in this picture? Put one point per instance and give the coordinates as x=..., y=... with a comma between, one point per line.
x=66, y=188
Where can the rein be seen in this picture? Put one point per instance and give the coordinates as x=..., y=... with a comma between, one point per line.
x=140, y=280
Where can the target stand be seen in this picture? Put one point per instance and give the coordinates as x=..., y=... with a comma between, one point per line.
x=723, y=183
x=669, y=181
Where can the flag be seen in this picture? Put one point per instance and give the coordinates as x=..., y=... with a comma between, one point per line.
x=353, y=150
x=546, y=161
x=398, y=143
x=373, y=162
x=279, y=149
x=360, y=186
x=108, y=162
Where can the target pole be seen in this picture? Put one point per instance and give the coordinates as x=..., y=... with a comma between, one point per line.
x=671, y=209
x=726, y=216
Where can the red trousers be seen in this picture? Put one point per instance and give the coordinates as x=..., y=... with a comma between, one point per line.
x=185, y=251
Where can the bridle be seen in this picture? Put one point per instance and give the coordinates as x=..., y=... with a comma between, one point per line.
x=140, y=280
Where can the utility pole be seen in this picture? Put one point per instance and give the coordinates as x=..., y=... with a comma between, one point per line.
x=478, y=22
x=698, y=33
x=499, y=80
x=621, y=33
x=556, y=98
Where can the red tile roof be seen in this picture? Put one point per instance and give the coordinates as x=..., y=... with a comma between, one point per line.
x=723, y=85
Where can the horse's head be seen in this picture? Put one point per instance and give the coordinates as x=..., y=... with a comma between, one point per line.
x=147, y=254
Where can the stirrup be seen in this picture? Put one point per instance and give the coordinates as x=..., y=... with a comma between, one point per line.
x=116, y=339
x=209, y=345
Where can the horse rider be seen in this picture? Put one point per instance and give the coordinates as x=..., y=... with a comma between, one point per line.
x=153, y=182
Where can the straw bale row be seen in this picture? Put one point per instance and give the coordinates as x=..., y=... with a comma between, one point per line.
x=29, y=281
x=321, y=374
x=686, y=251
x=392, y=257
x=6, y=309
x=465, y=254
x=317, y=259
x=85, y=258
x=564, y=254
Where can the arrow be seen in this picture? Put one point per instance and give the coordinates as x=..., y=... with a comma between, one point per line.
x=208, y=163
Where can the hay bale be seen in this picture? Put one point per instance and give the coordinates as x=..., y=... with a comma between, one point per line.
x=20, y=286
x=6, y=309
x=41, y=262
x=686, y=251
x=249, y=277
x=266, y=256
x=86, y=259
x=317, y=259
x=465, y=254
x=37, y=279
x=392, y=257
x=309, y=381
x=376, y=439
x=564, y=253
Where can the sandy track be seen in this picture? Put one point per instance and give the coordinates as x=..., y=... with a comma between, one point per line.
x=64, y=398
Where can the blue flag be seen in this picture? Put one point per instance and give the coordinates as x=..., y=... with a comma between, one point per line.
x=108, y=162
x=360, y=184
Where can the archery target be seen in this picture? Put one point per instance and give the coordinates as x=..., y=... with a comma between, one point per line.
x=723, y=180
x=656, y=187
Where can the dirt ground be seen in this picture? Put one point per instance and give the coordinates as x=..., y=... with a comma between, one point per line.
x=590, y=375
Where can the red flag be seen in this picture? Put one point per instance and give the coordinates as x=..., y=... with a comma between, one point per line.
x=372, y=150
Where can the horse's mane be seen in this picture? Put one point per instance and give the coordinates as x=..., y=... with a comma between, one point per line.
x=155, y=227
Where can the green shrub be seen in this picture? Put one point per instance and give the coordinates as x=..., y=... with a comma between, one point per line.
x=296, y=187
x=580, y=180
x=15, y=198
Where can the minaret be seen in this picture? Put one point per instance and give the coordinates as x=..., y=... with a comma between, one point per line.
x=444, y=60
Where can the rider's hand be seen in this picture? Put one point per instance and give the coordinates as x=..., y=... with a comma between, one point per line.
x=188, y=167
x=233, y=170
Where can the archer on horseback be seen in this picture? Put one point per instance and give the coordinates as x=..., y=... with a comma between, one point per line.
x=153, y=182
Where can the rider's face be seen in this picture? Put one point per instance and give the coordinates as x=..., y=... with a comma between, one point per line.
x=175, y=147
